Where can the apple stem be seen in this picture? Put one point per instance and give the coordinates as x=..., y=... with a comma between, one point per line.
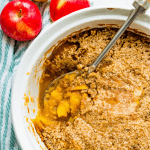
x=20, y=13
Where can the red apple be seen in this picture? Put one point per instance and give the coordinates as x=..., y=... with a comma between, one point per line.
x=21, y=20
x=60, y=8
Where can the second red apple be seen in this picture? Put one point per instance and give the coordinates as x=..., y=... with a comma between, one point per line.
x=60, y=8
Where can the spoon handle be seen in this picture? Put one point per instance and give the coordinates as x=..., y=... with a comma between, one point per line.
x=140, y=7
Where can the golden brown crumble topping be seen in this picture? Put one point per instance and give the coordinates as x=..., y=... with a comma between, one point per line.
x=114, y=110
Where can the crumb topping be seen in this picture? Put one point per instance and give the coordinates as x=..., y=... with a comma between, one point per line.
x=114, y=108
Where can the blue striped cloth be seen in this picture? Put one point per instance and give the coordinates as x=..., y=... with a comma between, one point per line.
x=11, y=52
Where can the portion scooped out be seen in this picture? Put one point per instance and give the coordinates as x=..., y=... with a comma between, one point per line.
x=62, y=99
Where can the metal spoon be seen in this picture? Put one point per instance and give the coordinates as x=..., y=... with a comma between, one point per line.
x=140, y=7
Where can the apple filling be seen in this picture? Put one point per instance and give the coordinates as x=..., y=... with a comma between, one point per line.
x=62, y=100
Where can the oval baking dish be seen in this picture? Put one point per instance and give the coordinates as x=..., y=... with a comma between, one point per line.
x=30, y=68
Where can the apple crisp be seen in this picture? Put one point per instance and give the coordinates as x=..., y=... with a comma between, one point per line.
x=106, y=109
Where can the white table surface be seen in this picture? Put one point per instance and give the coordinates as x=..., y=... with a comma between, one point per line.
x=126, y=4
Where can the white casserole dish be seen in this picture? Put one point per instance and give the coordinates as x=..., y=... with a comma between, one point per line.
x=31, y=62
